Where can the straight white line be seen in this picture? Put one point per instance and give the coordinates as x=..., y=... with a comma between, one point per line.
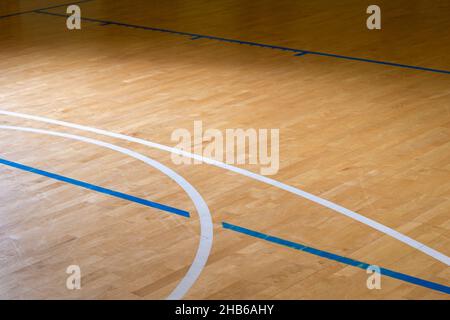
x=206, y=226
x=323, y=202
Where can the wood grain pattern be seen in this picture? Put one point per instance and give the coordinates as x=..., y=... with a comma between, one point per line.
x=373, y=138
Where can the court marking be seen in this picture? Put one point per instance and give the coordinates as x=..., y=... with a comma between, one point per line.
x=206, y=226
x=252, y=233
x=47, y=8
x=331, y=256
x=195, y=36
x=96, y=188
x=280, y=185
x=298, y=52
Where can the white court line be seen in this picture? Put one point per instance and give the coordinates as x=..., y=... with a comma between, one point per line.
x=323, y=202
x=206, y=226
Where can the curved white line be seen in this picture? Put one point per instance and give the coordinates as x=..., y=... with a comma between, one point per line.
x=206, y=226
x=323, y=202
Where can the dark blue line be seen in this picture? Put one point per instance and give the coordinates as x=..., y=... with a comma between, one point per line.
x=338, y=258
x=378, y=62
x=96, y=188
x=47, y=8
x=298, y=52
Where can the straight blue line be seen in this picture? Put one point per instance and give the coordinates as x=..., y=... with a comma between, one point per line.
x=298, y=52
x=393, y=64
x=96, y=188
x=338, y=258
x=46, y=8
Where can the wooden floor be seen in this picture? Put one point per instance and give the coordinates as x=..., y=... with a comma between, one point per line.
x=371, y=137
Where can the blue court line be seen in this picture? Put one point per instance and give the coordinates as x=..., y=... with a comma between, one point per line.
x=298, y=52
x=92, y=187
x=338, y=258
x=393, y=64
x=47, y=8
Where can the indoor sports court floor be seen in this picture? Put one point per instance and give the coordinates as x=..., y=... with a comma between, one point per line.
x=87, y=178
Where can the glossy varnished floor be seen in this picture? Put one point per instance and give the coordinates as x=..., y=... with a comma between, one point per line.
x=370, y=137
